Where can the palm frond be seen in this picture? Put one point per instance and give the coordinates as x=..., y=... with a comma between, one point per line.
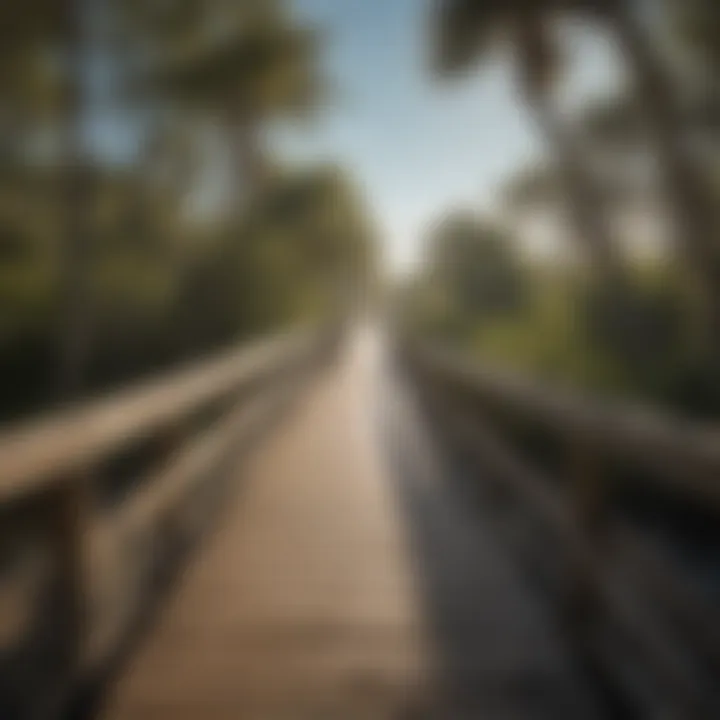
x=462, y=30
x=537, y=52
x=266, y=67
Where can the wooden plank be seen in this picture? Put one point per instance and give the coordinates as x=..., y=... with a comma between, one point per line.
x=124, y=541
x=622, y=627
x=303, y=606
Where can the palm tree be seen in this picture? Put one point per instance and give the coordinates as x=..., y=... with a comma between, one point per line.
x=76, y=305
x=28, y=93
x=30, y=33
x=698, y=26
x=260, y=67
x=466, y=29
x=688, y=193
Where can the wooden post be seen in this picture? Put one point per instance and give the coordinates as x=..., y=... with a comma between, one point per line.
x=70, y=511
x=588, y=504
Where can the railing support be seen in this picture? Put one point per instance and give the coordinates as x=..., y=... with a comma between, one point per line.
x=71, y=511
x=588, y=503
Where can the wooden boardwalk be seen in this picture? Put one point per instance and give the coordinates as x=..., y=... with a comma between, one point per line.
x=381, y=556
x=302, y=604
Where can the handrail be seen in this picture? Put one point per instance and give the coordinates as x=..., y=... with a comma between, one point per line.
x=105, y=566
x=682, y=455
x=42, y=453
x=623, y=592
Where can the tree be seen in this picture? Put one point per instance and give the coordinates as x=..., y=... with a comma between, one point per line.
x=698, y=26
x=533, y=185
x=466, y=29
x=42, y=65
x=688, y=193
x=205, y=58
x=472, y=270
x=304, y=249
x=328, y=230
x=260, y=67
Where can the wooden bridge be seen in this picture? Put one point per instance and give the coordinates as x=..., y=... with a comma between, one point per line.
x=325, y=527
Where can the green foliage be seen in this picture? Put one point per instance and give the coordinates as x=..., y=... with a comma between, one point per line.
x=159, y=285
x=569, y=331
x=466, y=29
x=472, y=275
x=301, y=253
x=240, y=63
x=534, y=185
x=698, y=26
x=473, y=264
x=625, y=330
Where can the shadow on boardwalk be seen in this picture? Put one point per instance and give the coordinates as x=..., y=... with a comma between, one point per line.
x=502, y=654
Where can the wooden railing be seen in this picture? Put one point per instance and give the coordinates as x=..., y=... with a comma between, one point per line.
x=77, y=574
x=628, y=597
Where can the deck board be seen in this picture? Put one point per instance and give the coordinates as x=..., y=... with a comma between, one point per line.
x=302, y=605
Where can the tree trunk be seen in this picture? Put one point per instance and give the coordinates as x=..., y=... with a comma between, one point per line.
x=75, y=269
x=75, y=302
x=585, y=204
x=250, y=166
x=687, y=192
x=613, y=311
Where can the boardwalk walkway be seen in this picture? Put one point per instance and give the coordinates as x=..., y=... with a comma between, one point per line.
x=302, y=604
x=380, y=557
x=350, y=580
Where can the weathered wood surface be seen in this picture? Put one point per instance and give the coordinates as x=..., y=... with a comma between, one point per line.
x=306, y=603
x=76, y=575
x=303, y=606
x=629, y=601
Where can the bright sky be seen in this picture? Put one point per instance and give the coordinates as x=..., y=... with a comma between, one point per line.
x=416, y=146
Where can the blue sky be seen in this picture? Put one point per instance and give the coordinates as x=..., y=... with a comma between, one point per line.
x=419, y=147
